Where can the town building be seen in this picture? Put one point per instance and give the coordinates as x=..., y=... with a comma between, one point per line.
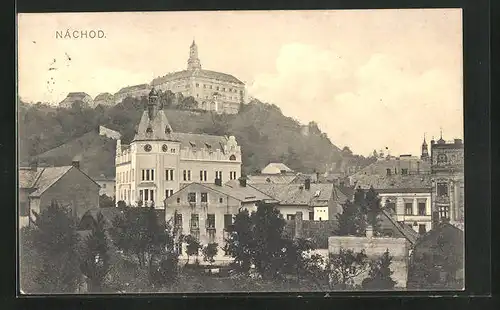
x=67, y=185
x=214, y=91
x=206, y=210
x=107, y=185
x=81, y=97
x=136, y=91
x=158, y=161
x=104, y=99
x=447, y=164
x=316, y=202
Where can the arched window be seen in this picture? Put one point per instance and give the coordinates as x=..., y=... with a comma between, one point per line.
x=232, y=157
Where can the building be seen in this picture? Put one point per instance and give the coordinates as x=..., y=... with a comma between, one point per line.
x=205, y=210
x=107, y=185
x=104, y=99
x=214, y=91
x=408, y=197
x=437, y=259
x=277, y=168
x=158, y=161
x=136, y=91
x=81, y=97
x=68, y=185
x=315, y=201
x=103, y=131
x=447, y=165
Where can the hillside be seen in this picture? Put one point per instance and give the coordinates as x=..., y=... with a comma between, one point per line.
x=263, y=132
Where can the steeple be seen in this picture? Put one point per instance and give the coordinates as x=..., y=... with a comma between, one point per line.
x=425, y=150
x=193, y=61
x=441, y=140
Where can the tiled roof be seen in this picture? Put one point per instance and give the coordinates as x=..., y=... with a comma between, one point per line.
x=42, y=179
x=200, y=141
x=394, y=183
x=296, y=194
x=271, y=178
x=275, y=168
x=157, y=125
x=380, y=166
x=242, y=193
x=407, y=232
x=196, y=73
x=133, y=88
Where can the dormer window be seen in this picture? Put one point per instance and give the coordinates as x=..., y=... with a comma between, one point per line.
x=167, y=130
x=149, y=130
x=232, y=157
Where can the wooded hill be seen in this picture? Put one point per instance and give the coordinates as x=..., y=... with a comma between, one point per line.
x=56, y=135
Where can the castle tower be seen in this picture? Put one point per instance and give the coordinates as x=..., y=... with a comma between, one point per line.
x=425, y=151
x=193, y=61
x=154, y=124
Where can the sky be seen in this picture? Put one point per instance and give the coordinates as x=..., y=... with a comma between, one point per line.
x=371, y=79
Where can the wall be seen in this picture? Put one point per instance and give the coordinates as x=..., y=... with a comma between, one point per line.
x=74, y=188
x=374, y=248
x=401, y=198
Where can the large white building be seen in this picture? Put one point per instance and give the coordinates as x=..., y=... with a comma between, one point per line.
x=158, y=162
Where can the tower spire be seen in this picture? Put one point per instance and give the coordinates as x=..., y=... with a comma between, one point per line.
x=193, y=61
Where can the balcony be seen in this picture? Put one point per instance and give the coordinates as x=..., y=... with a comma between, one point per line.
x=444, y=199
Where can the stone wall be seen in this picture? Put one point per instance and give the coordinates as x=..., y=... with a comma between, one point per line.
x=374, y=248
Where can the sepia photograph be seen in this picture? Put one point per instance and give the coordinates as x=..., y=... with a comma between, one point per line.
x=240, y=151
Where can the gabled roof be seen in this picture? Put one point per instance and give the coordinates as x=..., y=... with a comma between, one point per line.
x=242, y=193
x=296, y=194
x=275, y=168
x=154, y=129
x=407, y=232
x=380, y=166
x=200, y=141
x=394, y=183
x=42, y=179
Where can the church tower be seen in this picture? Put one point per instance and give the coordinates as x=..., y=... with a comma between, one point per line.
x=193, y=61
x=425, y=151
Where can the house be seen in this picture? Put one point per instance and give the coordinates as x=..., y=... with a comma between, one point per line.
x=437, y=259
x=107, y=185
x=315, y=201
x=81, y=97
x=68, y=185
x=159, y=161
x=205, y=210
x=276, y=168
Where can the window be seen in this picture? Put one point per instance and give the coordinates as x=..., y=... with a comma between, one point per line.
x=421, y=229
x=232, y=157
x=232, y=175
x=141, y=195
x=191, y=197
x=228, y=220
x=186, y=175
x=391, y=206
x=221, y=200
x=224, y=89
x=23, y=208
x=195, y=224
x=197, y=85
x=204, y=86
x=210, y=220
x=178, y=200
x=217, y=87
x=388, y=170
x=169, y=174
x=290, y=217
x=441, y=158
x=204, y=197
x=421, y=208
x=408, y=208
x=311, y=216
x=404, y=171
x=103, y=185
x=148, y=175
x=442, y=189
x=218, y=175
x=169, y=192
x=178, y=221
x=203, y=175
x=172, y=150
x=146, y=195
x=210, y=86
x=444, y=212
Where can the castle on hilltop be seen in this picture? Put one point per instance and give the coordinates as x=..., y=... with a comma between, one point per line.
x=214, y=91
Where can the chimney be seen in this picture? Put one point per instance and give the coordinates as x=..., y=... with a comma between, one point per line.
x=34, y=165
x=218, y=181
x=307, y=184
x=369, y=231
x=243, y=182
x=76, y=163
x=298, y=224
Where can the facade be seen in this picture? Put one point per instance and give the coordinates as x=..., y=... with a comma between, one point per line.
x=316, y=202
x=104, y=99
x=159, y=162
x=447, y=162
x=77, y=96
x=407, y=197
x=67, y=185
x=214, y=91
x=136, y=91
x=205, y=211
x=107, y=185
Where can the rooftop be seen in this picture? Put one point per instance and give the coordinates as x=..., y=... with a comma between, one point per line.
x=296, y=194
x=271, y=178
x=133, y=88
x=242, y=193
x=41, y=179
x=276, y=168
x=394, y=183
x=196, y=73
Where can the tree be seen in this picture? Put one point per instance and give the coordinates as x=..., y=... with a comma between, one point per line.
x=209, y=252
x=379, y=277
x=30, y=261
x=95, y=258
x=106, y=201
x=167, y=271
x=344, y=267
x=373, y=209
x=55, y=241
x=189, y=103
x=192, y=247
x=351, y=221
x=240, y=242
